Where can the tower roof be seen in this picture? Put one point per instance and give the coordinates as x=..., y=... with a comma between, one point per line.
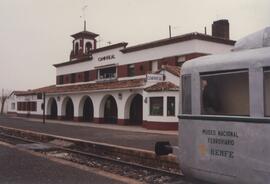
x=86, y=34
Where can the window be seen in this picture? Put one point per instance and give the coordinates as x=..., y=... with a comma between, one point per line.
x=76, y=48
x=267, y=92
x=39, y=96
x=61, y=79
x=107, y=73
x=33, y=106
x=186, y=94
x=73, y=77
x=86, y=76
x=225, y=93
x=88, y=47
x=131, y=70
x=180, y=60
x=156, y=106
x=170, y=106
x=19, y=107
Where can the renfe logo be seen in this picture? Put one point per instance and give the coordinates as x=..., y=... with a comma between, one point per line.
x=109, y=57
x=154, y=77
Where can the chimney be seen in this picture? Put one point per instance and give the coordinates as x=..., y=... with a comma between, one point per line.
x=221, y=29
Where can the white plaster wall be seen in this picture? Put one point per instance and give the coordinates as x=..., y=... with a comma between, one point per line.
x=171, y=78
x=97, y=99
x=164, y=118
x=10, y=100
x=32, y=98
x=175, y=49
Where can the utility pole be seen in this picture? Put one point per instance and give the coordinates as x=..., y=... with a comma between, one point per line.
x=43, y=107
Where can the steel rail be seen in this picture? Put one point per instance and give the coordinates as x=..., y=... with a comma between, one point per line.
x=130, y=164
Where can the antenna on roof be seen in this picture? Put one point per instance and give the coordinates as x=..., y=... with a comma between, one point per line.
x=99, y=41
x=170, y=31
x=84, y=22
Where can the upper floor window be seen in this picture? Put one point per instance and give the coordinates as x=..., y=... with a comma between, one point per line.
x=73, y=77
x=225, y=93
x=107, y=73
x=267, y=92
x=86, y=76
x=61, y=79
x=131, y=70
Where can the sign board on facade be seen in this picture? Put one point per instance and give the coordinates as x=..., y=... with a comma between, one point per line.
x=108, y=57
x=154, y=77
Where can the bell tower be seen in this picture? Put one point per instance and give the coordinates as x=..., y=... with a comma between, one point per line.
x=83, y=44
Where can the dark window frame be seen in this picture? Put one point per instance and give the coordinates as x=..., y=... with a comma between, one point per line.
x=131, y=70
x=218, y=101
x=169, y=113
x=156, y=112
x=186, y=94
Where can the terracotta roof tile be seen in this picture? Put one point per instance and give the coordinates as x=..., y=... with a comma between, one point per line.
x=87, y=87
x=162, y=86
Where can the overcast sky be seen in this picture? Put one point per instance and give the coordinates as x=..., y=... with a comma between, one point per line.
x=34, y=34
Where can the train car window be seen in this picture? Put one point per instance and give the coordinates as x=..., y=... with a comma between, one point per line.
x=267, y=92
x=225, y=93
x=186, y=94
x=156, y=106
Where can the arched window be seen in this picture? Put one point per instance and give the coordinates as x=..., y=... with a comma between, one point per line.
x=76, y=48
x=88, y=47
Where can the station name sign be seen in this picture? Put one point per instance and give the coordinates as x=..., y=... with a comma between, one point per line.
x=154, y=77
x=108, y=57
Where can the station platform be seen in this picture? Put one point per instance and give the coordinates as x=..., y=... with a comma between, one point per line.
x=20, y=166
x=128, y=136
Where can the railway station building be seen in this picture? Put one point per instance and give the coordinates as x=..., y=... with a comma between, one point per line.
x=120, y=84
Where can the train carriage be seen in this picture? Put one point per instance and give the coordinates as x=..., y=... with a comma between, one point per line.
x=224, y=120
x=224, y=129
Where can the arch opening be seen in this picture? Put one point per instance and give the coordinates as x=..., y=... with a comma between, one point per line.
x=52, y=110
x=88, y=110
x=110, y=110
x=136, y=110
x=77, y=48
x=69, y=110
x=88, y=47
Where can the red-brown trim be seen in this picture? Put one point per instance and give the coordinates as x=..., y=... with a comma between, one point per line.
x=152, y=125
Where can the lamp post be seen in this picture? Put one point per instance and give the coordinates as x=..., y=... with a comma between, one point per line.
x=43, y=107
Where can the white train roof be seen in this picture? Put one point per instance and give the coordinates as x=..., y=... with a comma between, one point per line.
x=248, y=51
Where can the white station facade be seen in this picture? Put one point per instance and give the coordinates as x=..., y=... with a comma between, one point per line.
x=120, y=84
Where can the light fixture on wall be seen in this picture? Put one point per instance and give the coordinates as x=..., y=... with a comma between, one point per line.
x=58, y=98
x=145, y=100
x=120, y=96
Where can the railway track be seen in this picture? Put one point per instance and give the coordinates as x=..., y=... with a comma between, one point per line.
x=112, y=164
